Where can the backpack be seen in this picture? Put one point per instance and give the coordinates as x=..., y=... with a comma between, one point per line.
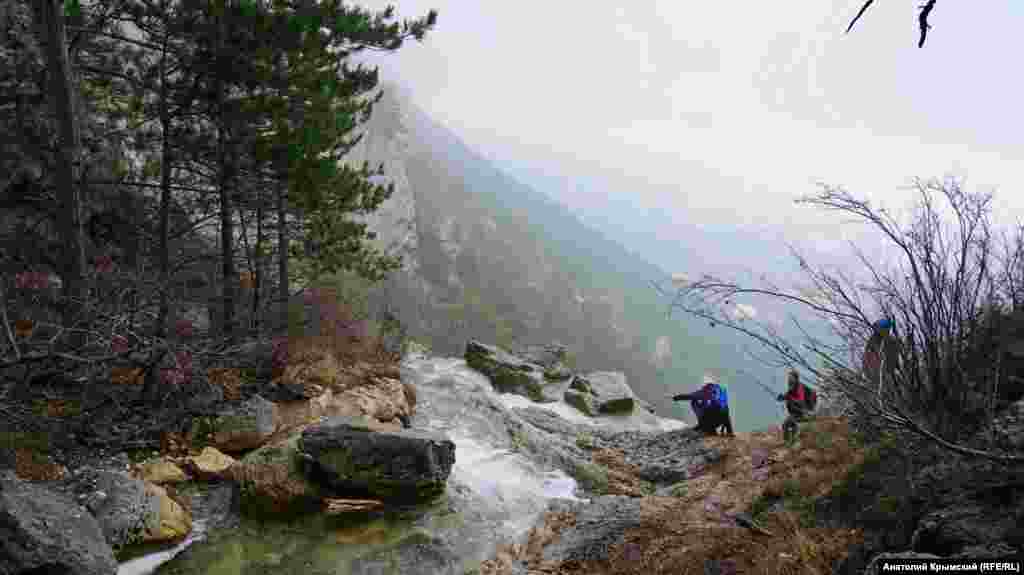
x=810, y=398
x=719, y=397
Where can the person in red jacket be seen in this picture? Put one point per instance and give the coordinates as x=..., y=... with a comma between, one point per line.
x=796, y=405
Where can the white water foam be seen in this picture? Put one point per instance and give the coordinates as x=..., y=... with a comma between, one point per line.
x=636, y=421
x=148, y=563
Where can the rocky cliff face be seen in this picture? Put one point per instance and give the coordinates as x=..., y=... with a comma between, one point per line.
x=447, y=223
x=386, y=142
x=489, y=258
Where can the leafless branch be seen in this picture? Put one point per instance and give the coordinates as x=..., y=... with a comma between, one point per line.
x=944, y=292
x=860, y=13
x=922, y=19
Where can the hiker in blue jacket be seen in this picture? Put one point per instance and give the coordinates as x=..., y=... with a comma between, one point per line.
x=710, y=404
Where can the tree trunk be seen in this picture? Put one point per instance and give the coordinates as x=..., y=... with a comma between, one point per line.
x=282, y=257
x=51, y=26
x=258, y=272
x=165, y=201
x=281, y=159
x=226, y=228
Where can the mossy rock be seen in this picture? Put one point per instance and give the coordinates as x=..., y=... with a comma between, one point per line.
x=534, y=390
x=557, y=373
x=507, y=373
x=581, y=385
x=379, y=483
x=35, y=441
x=345, y=454
x=585, y=441
x=591, y=477
x=618, y=406
x=272, y=481
x=200, y=433
x=580, y=401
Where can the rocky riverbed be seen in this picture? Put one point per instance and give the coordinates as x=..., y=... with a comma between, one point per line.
x=435, y=466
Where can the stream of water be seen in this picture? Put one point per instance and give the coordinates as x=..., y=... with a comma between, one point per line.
x=494, y=494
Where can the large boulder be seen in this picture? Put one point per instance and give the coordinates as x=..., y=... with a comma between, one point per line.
x=239, y=427
x=132, y=511
x=293, y=414
x=551, y=358
x=383, y=399
x=599, y=525
x=553, y=391
x=611, y=394
x=646, y=406
x=974, y=523
x=508, y=373
x=309, y=372
x=42, y=531
x=547, y=356
x=663, y=458
x=347, y=455
x=271, y=480
x=548, y=421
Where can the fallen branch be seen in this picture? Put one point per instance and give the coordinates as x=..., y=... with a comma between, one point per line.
x=340, y=506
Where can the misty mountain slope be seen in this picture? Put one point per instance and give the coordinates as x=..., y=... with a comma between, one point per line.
x=488, y=257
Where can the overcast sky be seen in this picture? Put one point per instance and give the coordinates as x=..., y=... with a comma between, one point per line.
x=722, y=112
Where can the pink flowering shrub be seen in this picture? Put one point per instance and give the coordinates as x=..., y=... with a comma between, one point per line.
x=103, y=264
x=279, y=354
x=32, y=280
x=340, y=328
x=184, y=328
x=119, y=344
x=180, y=372
x=171, y=376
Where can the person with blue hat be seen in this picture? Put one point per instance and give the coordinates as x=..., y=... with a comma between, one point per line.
x=881, y=354
x=710, y=404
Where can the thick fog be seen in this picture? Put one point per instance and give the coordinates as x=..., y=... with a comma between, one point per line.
x=691, y=124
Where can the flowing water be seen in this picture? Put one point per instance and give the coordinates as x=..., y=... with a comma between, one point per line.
x=494, y=494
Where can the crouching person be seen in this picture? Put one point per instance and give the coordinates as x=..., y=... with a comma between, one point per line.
x=710, y=404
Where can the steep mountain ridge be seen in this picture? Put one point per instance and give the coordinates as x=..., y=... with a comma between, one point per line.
x=488, y=257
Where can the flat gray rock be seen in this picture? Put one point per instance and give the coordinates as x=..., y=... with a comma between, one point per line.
x=599, y=525
x=611, y=392
x=42, y=531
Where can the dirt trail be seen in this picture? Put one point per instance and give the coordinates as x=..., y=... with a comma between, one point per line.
x=706, y=522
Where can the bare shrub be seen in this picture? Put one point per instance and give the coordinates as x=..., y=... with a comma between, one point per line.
x=953, y=288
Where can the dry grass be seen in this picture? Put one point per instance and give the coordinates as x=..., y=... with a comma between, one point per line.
x=680, y=535
x=126, y=375
x=32, y=465
x=622, y=477
x=229, y=379
x=56, y=408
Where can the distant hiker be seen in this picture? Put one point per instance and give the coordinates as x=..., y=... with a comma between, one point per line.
x=800, y=400
x=710, y=404
x=882, y=352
